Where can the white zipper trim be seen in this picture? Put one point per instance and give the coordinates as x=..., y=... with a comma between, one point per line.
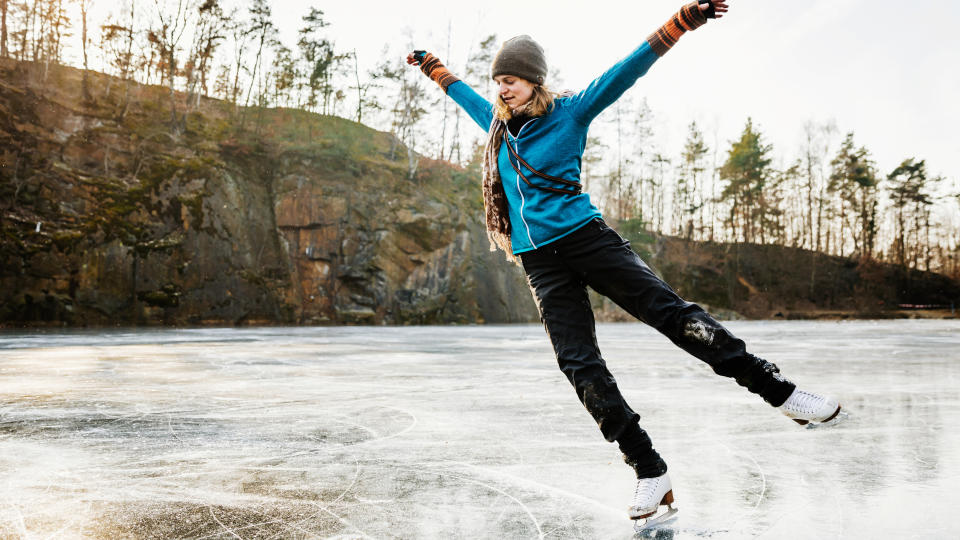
x=523, y=200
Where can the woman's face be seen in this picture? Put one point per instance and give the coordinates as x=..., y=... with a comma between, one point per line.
x=514, y=91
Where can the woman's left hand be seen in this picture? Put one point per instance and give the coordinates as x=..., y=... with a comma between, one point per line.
x=719, y=7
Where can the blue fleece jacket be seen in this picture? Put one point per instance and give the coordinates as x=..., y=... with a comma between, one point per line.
x=553, y=144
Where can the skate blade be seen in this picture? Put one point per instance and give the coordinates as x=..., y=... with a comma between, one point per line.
x=840, y=418
x=654, y=522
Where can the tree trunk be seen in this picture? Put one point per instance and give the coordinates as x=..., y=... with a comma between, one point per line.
x=356, y=71
x=25, y=34
x=3, y=28
x=901, y=236
x=253, y=78
x=86, y=64
x=455, y=143
x=171, y=73
x=412, y=162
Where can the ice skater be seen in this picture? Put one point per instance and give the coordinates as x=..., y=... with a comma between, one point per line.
x=535, y=211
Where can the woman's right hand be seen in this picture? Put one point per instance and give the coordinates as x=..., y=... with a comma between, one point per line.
x=719, y=7
x=416, y=57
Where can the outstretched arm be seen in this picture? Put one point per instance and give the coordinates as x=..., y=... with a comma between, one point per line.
x=690, y=17
x=431, y=67
x=479, y=109
x=608, y=87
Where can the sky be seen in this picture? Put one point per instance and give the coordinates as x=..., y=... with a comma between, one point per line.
x=888, y=71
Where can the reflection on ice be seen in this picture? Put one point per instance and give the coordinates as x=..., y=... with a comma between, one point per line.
x=465, y=432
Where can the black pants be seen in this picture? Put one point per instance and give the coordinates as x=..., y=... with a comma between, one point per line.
x=596, y=256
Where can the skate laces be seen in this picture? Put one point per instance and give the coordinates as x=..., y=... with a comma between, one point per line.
x=805, y=402
x=646, y=487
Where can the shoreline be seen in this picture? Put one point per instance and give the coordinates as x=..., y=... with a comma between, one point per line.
x=602, y=316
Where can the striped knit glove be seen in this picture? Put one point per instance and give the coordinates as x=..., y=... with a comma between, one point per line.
x=431, y=67
x=688, y=18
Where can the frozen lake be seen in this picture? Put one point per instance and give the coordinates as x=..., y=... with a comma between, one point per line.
x=466, y=432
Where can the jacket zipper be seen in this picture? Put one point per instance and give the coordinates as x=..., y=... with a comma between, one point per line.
x=523, y=201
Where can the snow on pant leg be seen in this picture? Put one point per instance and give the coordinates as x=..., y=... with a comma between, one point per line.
x=611, y=268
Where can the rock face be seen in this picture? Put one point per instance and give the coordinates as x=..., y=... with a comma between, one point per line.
x=365, y=254
x=118, y=219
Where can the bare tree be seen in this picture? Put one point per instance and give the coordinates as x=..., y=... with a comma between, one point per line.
x=818, y=139
x=687, y=201
x=41, y=26
x=477, y=75
x=657, y=179
x=30, y=41
x=446, y=104
x=592, y=158
x=57, y=26
x=117, y=42
x=408, y=105
x=240, y=34
x=359, y=87
x=84, y=9
x=27, y=19
x=365, y=98
x=207, y=37
x=617, y=189
x=261, y=29
x=173, y=24
x=642, y=152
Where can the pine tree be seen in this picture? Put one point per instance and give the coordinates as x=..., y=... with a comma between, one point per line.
x=911, y=194
x=285, y=74
x=854, y=181
x=318, y=55
x=747, y=171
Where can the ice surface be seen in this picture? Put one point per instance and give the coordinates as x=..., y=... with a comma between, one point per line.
x=466, y=432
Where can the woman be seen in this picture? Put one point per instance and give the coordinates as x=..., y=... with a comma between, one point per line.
x=536, y=211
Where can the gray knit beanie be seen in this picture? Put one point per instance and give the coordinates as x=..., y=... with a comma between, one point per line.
x=523, y=57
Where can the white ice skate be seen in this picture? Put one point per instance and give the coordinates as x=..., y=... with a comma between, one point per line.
x=806, y=408
x=650, y=495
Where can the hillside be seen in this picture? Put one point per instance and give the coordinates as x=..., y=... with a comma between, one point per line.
x=108, y=219
x=306, y=220
x=764, y=281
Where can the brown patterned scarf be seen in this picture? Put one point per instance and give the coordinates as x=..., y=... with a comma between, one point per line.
x=494, y=198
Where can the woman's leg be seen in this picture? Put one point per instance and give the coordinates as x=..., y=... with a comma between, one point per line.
x=561, y=298
x=608, y=265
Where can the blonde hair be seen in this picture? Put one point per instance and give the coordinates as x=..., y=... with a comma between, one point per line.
x=541, y=103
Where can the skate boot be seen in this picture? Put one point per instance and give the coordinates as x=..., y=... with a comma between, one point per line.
x=650, y=495
x=804, y=408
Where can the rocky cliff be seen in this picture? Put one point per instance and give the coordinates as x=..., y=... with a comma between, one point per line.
x=112, y=217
